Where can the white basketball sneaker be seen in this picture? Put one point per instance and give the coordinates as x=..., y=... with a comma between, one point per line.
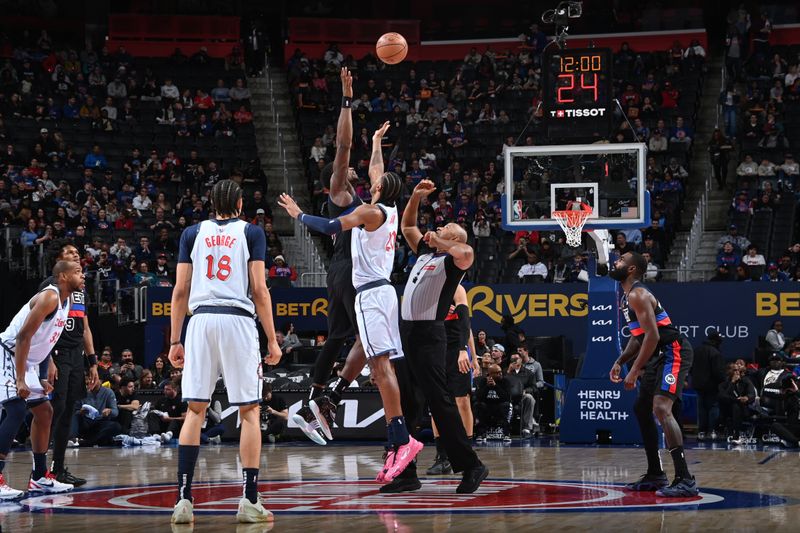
x=183, y=512
x=8, y=493
x=48, y=484
x=250, y=513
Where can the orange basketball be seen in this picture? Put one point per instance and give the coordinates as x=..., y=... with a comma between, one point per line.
x=391, y=48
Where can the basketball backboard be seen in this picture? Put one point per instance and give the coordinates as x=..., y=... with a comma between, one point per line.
x=610, y=178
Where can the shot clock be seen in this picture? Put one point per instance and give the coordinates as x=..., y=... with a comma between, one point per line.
x=578, y=93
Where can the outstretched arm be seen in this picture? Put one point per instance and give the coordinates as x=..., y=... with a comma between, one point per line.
x=369, y=216
x=408, y=224
x=376, y=167
x=339, y=191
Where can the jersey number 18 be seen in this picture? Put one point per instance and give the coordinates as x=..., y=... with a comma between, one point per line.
x=223, y=267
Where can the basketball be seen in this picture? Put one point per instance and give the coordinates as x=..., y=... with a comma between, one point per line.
x=391, y=48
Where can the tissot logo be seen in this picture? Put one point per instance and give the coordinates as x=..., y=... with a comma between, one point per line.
x=578, y=113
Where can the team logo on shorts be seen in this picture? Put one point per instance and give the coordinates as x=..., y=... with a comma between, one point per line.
x=670, y=379
x=362, y=496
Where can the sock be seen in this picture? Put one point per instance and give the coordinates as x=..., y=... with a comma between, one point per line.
x=250, y=482
x=187, y=458
x=338, y=388
x=39, y=465
x=2, y=465
x=440, y=451
x=398, y=434
x=315, y=392
x=654, y=466
x=679, y=460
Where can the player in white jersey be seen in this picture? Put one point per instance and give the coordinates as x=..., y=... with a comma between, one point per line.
x=26, y=345
x=374, y=228
x=221, y=279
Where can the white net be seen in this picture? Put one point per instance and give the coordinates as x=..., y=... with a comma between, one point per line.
x=571, y=223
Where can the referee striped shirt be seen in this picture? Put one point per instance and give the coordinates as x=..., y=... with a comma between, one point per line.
x=431, y=285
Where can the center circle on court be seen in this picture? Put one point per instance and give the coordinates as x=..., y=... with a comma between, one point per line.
x=362, y=496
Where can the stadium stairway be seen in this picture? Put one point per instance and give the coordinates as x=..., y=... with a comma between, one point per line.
x=276, y=134
x=704, y=262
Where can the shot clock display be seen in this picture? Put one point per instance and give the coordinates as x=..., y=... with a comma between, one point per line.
x=578, y=92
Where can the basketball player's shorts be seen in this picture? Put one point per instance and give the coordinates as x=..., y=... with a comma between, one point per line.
x=222, y=341
x=341, y=300
x=378, y=320
x=8, y=388
x=458, y=383
x=666, y=372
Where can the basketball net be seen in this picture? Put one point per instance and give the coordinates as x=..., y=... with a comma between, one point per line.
x=571, y=222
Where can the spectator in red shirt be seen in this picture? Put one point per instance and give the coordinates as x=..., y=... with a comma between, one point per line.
x=202, y=100
x=243, y=116
x=669, y=96
x=124, y=222
x=280, y=270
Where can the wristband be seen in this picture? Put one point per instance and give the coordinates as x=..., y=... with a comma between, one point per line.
x=92, y=359
x=347, y=101
x=174, y=343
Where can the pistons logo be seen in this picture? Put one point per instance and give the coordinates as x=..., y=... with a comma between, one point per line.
x=670, y=379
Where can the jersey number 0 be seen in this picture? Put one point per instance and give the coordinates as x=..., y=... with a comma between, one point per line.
x=223, y=267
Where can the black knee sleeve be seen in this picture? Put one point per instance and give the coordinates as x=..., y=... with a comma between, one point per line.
x=327, y=357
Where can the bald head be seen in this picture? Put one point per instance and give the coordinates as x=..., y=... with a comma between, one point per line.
x=63, y=267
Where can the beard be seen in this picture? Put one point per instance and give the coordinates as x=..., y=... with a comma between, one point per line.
x=618, y=274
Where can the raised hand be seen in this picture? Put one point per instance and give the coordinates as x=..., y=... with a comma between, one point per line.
x=424, y=188
x=380, y=132
x=288, y=203
x=347, y=82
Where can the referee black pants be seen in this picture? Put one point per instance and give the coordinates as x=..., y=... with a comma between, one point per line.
x=69, y=388
x=424, y=345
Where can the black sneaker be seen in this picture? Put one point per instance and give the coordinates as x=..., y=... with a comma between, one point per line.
x=65, y=476
x=401, y=484
x=440, y=467
x=472, y=479
x=680, y=488
x=649, y=483
x=325, y=412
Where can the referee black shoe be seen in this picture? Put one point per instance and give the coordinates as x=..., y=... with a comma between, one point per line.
x=401, y=484
x=65, y=476
x=472, y=479
x=325, y=412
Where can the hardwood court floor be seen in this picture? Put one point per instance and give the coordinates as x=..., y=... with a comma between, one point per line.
x=329, y=489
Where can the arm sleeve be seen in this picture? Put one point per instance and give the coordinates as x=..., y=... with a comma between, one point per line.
x=322, y=225
x=188, y=237
x=463, y=326
x=256, y=242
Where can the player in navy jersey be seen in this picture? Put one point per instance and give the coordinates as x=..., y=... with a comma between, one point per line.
x=221, y=279
x=73, y=351
x=662, y=359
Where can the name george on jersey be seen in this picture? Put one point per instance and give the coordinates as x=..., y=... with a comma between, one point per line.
x=220, y=240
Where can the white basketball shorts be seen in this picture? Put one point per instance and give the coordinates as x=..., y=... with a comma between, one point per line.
x=223, y=344
x=8, y=387
x=378, y=322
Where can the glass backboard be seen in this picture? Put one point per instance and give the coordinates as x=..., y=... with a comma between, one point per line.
x=610, y=178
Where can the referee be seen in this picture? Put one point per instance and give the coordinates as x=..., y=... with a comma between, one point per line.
x=70, y=382
x=442, y=259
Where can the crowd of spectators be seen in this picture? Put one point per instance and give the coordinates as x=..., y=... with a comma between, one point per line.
x=117, y=154
x=759, y=137
x=449, y=121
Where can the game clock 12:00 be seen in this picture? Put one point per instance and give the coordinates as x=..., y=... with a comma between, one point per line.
x=578, y=91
